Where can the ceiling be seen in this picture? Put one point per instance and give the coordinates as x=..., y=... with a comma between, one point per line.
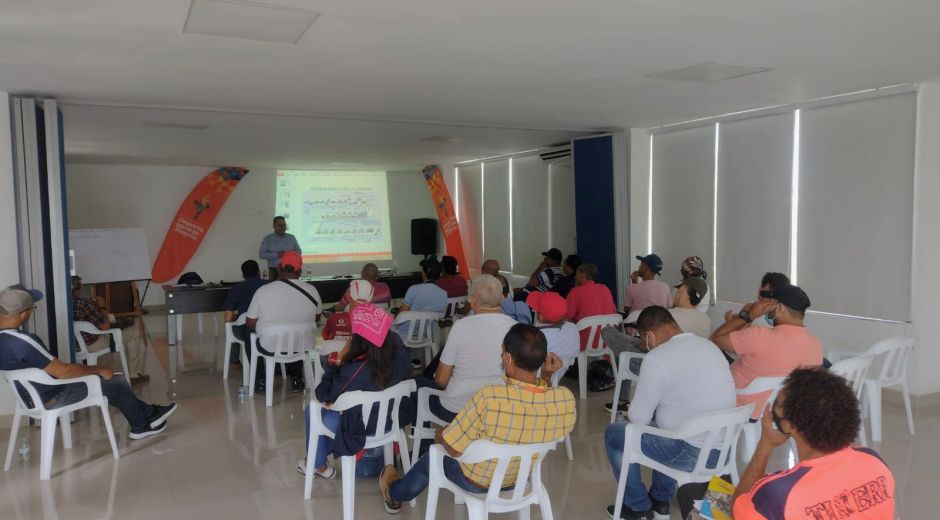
x=382, y=67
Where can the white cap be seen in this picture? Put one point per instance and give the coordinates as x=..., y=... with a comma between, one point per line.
x=360, y=291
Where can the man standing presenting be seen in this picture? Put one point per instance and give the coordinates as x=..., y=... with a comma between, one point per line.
x=274, y=246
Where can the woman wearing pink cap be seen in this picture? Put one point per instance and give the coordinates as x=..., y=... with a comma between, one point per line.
x=371, y=360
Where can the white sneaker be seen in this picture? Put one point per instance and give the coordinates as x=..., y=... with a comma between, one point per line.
x=329, y=473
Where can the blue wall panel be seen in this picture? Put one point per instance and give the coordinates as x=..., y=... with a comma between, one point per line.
x=594, y=206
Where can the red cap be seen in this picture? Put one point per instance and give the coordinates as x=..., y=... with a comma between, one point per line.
x=292, y=258
x=550, y=305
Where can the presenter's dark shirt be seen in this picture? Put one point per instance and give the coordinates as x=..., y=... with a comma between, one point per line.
x=239, y=296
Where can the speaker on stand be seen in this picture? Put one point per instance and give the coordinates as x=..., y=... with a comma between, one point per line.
x=423, y=236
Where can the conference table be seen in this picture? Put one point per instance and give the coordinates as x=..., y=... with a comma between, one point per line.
x=195, y=299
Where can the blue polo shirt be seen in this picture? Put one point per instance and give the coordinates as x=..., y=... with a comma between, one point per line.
x=272, y=243
x=239, y=296
x=19, y=350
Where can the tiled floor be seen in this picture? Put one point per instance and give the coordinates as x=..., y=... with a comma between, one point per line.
x=222, y=457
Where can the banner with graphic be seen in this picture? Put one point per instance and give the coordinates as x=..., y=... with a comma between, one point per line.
x=193, y=220
x=440, y=195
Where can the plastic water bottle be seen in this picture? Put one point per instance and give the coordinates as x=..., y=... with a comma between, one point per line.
x=242, y=392
x=24, y=449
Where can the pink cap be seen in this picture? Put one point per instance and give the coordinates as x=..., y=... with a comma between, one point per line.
x=372, y=323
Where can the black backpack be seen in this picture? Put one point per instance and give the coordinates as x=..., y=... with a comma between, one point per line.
x=600, y=376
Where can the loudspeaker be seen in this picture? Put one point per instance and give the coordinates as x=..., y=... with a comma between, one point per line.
x=423, y=236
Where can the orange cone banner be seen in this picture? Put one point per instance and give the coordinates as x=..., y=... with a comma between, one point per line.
x=444, y=206
x=193, y=220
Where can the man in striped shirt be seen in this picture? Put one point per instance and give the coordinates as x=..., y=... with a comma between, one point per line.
x=522, y=410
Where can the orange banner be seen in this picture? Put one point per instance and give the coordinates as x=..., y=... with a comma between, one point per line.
x=440, y=195
x=193, y=220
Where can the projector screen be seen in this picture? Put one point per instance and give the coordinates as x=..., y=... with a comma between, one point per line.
x=336, y=216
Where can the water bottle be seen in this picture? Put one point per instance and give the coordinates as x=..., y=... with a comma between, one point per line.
x=242, y=392
x=24, y=449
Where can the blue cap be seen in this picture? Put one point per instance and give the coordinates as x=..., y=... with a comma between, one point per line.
x=653, y=261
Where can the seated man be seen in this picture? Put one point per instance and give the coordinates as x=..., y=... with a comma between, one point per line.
x=453, y=283
x=518, y=311
x=769, y=282
x=683, y=375
x=523, y=409
x=833, y=480
x=92, y=311
x=20, y=350
x=567, y=282
x=339, y=324
x=490, y=266
x=644, y=289
x=551, y=318
x=283, y=301
x=381, y=292
x=689, y=295
x=470, y=358
x=545, y=275
x=425, y=296
x=239, y=297
x=694, y=267
x=773, y=352
x=589, y=299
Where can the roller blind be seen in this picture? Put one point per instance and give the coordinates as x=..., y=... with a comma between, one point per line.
x=755, y=170
x=529, y=211
x=683, y=198
x=855, y=206
x=496, y=211
x=562, y=208
x=469, y=178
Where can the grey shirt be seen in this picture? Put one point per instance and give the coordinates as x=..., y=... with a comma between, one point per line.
x=272, y=243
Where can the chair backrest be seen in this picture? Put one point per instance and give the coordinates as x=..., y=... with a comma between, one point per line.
x=595, y=323
x=286, y=339
x=720, y=430
x=422, y=327
x=26, y=378
x=556, y=377
x=83, y=326
x=854, y=370
x=388, y=400
x=530, y=458
x=894, y=353
x=453, y=304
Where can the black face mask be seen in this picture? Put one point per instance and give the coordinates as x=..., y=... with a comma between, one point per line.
x=777, y=419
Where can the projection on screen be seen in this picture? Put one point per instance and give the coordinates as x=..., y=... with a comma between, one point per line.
x=336, y=216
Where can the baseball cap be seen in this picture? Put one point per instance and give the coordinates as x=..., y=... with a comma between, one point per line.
x=653, y=261
x=16, y=299
x=696, y=284
x=790, y=296
x=550, y=305
x=553, y=253
x=293, y=259
x=360, y=291
x=693, y=265
x=372, y=323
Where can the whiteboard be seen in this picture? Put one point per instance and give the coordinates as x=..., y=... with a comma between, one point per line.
x=110, y=255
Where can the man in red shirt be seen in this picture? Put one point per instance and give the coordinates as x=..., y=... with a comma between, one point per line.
x=339, y=324
x=451, y=280
x=833, y=480
x=589, y=298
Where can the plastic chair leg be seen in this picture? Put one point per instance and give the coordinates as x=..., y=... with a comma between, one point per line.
x=568, y=449
x=621, y=485
x=106, y=417
x=907, y=406
x=431, y=506
x=199, y=319
x=226, y=357
x=48, y=445
x=246, y=363
x=251, y=372
x=349, y=487
x=269, y=382
x=14, y=433
x=127, y=373
x=476, y=510
x=582, y=375
x=545, y=506
x=312, y=442
x=524, y=513
x=66, y=427
x=616, y=399
x=873, y=395
x=283, y=371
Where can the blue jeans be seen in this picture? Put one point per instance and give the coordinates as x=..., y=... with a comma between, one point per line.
x=119, y=395
x=416, y=480
x=674, y=453
x=330, y=419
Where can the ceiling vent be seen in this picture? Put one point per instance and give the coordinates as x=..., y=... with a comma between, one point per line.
x=248, y=21
x=708, y=72
x=556, y=153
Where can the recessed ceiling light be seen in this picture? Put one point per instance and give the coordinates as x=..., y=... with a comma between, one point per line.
x=175, y=126
x=708, y=72
x=248, y=20
x=449, y=139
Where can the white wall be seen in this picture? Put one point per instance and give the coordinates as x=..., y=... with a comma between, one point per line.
x=104, y=196
x=9, y=253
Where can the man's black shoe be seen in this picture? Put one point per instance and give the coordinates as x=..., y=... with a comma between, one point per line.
x=296, y=385
x=628, y=514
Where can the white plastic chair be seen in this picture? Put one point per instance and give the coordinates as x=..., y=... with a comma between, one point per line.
x=91, y=358
x=622, y=374
x=418, y=431
x=199, y=321
x=230, y=341
x=854, y=370
x=752, y=431
x=422, y=333
x=894, y=354
x=527, y=490
x=387, y=432
x=324, y=348
x=452, y=305
x=721, y=430
x=556, y=380
x=595, y=324
x=288, y=343
x=26, y=379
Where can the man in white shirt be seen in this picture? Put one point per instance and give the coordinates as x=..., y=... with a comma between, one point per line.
x=283, y=301
x=471, y=357
x=683, y=375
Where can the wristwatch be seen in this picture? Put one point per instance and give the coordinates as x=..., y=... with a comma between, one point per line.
x=744, y=315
